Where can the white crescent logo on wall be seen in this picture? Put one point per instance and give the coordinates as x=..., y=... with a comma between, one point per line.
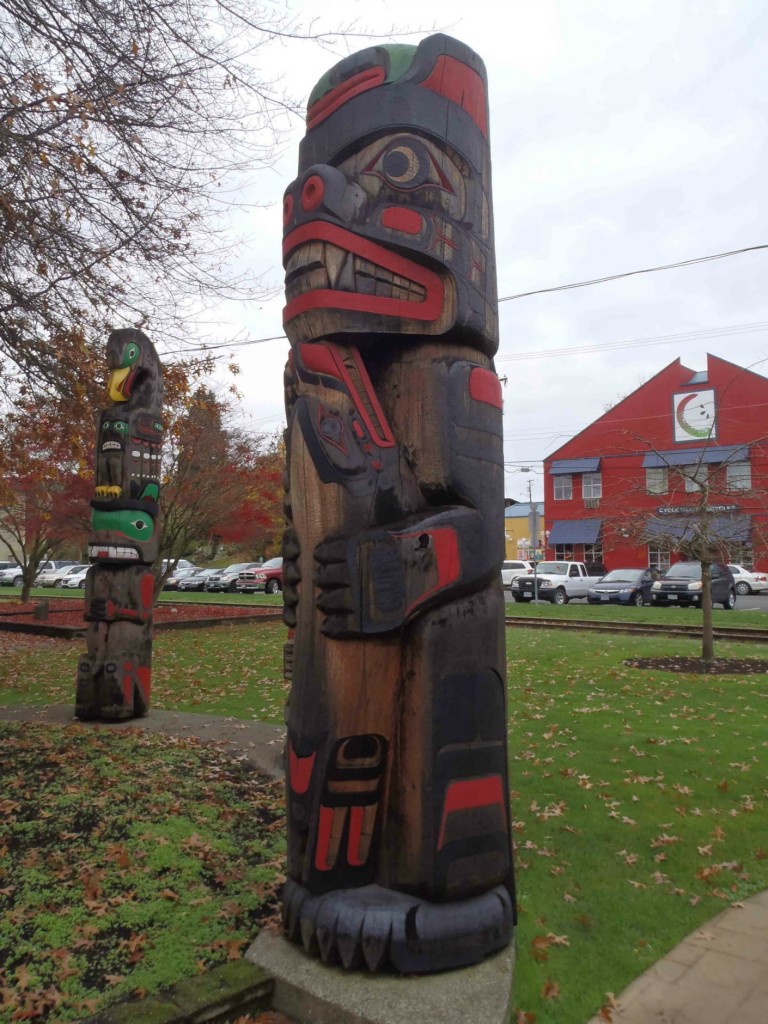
x=694, y=416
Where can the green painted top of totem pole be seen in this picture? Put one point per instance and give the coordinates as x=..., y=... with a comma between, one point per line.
x=400, y=59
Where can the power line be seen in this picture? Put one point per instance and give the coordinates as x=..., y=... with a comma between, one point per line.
x=633, y=273
x=658, y=339
x=523, y=295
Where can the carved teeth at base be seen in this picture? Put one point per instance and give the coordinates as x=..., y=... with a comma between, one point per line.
x=327, y=943
x=96, y=551
x=309, y=936
x=375, y=948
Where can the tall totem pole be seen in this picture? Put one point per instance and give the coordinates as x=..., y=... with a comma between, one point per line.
x=113, y=677
x=399, y=850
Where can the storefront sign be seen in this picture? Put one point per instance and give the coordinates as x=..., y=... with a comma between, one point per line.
x=682, y=510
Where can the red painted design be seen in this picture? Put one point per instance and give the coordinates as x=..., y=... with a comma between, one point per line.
x=379, y=431
x=399, y=218
x=485, y=386
x=299, y=770
x=144, y=677
x=356, y=817
x=128, y=682
x=319, y=359
x=287, y=209
x=326, y=359
x=147, y=591
x=460, y=84
x=326, y=298
x=312, y=193
x=469, y=793
x=322, y=415
x=440, y=236
x=323, y=839
x=446, y=548
x=341, y=94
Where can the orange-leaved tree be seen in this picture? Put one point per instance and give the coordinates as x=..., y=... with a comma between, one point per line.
x=46, y=478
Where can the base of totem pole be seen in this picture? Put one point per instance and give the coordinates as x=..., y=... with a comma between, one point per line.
x=380, y=929
x=310, y=992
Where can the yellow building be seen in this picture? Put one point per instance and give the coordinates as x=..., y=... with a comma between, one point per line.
x=524, y=530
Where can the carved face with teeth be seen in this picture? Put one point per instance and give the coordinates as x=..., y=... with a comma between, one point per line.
x=388, y=226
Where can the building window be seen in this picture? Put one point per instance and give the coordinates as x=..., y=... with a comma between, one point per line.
x=656, y=480
x=563, y=486
x=592, y=485
x=696, y=478
x=564, y=552
x=593, y=553
x=738, y=476
x=741, y=553
x=658, y=557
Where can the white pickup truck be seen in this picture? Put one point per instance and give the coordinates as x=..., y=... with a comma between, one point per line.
x=557, y=582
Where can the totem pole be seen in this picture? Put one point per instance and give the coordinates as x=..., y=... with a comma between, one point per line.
x=113, y=677
x=399, y=848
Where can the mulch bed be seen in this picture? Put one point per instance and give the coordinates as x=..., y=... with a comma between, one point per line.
x=696, y=666
x=69, y=613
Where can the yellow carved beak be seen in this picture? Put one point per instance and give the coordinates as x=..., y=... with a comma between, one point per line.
x=114, y=385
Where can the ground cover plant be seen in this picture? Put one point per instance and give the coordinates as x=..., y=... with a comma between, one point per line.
x=639, y=795
x=126, y=863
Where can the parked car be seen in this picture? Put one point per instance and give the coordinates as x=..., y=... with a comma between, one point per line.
x=556, y=582
x=56, y=577
x=267, y=577
x=76, y=579
x=11, y=577
x=623, y=586
x=513, y=568
x=178, y=574
x=196, y=579
x=748, y=581
x=226, y=579
x=681, y=584
x=183, y=563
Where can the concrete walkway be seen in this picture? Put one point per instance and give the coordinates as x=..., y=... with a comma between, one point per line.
x=717, y=975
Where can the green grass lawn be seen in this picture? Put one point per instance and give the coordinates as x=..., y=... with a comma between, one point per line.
x=639, y=796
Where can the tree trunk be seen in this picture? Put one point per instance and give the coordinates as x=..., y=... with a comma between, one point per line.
x=707, y=636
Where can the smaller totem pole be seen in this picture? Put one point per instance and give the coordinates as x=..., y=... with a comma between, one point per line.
x=113, y=677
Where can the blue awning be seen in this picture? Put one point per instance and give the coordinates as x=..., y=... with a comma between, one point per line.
x=697, y=456
x=735, y=528
x=560, y=466
x=575, y=531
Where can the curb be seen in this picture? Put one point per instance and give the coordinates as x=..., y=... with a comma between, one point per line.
x=214, y=996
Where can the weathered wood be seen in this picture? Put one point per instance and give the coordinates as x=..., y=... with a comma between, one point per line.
x=399, y=850
x=113, y=677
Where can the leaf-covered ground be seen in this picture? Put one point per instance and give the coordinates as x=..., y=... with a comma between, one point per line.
x=127, y=862
x=639, y=797
x=640, y=802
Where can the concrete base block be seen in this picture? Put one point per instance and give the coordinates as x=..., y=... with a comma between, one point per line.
x=312, y=993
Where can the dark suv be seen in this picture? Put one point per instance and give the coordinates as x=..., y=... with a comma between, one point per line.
x=681, y=584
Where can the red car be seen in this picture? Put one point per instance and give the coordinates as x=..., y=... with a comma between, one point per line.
x=267, y=577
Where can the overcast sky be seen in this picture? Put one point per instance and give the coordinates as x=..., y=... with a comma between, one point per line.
x=624, y=136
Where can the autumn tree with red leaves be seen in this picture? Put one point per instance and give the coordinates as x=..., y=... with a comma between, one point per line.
x=46, y=481
x=221, y=484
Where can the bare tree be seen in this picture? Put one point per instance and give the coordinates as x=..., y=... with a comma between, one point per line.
x=701, y=516
x=120, y=123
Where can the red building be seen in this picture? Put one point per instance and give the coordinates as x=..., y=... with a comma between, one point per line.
x=684, y=455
